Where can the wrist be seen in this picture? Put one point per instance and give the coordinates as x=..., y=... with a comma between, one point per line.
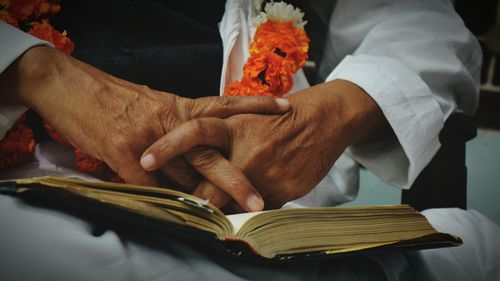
x=346, y=113
x=362, y=117
x=37, y=70
x=21, y=81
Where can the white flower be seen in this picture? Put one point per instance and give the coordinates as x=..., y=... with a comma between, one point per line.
x=257, y=6
x=281, y=12
x=260, y=19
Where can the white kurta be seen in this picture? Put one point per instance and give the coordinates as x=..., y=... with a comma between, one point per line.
x=416, y=59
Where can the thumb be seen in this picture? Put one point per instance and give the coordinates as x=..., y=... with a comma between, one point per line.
x=131, y=171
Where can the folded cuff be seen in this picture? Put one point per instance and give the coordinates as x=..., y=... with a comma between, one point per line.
x=409, y=107
x=13, y=44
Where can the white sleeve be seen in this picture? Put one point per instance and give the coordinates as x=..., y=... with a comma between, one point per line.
x=419, y=62
x=13, y=44
x=475, y=259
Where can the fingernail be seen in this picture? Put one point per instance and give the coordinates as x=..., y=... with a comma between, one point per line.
x=147, y=161
x=254, y=203
x=284, y=104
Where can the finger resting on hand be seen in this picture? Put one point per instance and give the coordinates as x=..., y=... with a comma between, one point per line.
x=181, y=174
x=224, y=175
x=233, y=208
x=133, y=173
x=225, y=106
x=216, y=196
x=198, y=132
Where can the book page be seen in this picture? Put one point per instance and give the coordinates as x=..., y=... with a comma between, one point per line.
x=156, y=202
x=238, y=220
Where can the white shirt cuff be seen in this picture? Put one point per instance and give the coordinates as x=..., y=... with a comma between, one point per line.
x=410, y=109
x=13, y=44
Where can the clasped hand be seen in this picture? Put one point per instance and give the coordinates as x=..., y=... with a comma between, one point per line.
x=283, y=156
x=115, y=121
x=242, y=153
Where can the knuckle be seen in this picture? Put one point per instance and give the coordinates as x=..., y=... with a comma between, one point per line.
x=187, y=179
x=213, y=195
x=159, y=109
x=144, y=88
x=225, y=102
x=197, y=124
x=195, y=128
x=264, y=152
x=143, y=132
x=103, y=89
x=274, y=173
x=181, y=173
x=121, y=143
x=262, y=100
x=169, y=116
x=185, y=108
x=201, y=129
x=204, y=159
x=238, y=127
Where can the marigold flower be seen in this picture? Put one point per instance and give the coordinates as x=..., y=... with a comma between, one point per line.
x=84, y=162
x=18, y=146
x=6, y=17
x=31, y=9
x=279, y=49
x=55, y=135
x=43, y=30
x=89, y=164
x=283, y=39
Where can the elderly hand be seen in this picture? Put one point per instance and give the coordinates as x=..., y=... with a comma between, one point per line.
x=284, y=156
x=115, y=121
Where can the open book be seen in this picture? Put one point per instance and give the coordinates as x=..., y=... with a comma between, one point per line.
x=282, y=234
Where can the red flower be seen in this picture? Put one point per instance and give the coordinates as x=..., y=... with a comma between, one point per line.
x=31, y=9
x=6, y=17
x=89, y=164
x=46, y=32
x=282, y=39
x=278, y=50
x=54, y=135
x=18, y=146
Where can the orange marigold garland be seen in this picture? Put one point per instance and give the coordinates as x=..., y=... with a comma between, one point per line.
x=18, y=146
x=279, y=49
x=6, y=17
x=43, y=30
x=22, y=10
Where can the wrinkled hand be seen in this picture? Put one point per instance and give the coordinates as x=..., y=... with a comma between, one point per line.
x=284, y=156
x=115, y=121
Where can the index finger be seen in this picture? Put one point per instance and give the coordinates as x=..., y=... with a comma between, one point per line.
x=198, y=132
x=187, y=139
x=225, y=106
x=228, y=178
